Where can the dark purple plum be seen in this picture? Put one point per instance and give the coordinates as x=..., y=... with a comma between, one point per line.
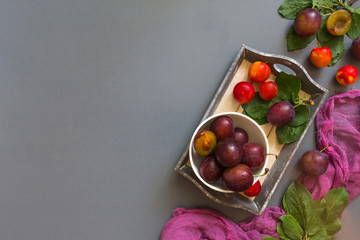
x=228, y=152
x=210, y=169
x=307, y=22
x=222, y=127
x=281, y=113
x=355, y=48
x=253, y=155
x=314, y=163
x=241, y=135
x=238, y=178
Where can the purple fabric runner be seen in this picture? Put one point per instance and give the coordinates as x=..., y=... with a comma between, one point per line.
x=338, y=124
x=201, y=224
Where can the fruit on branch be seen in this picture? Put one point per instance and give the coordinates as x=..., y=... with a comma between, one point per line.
x=339, y=22
x=320, y=56
x=307, y=22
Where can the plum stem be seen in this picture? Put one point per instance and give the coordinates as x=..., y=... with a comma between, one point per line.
x=325, y=147
x=260, y=175
x=303, y=101
x=315, y=4
x=324, y=6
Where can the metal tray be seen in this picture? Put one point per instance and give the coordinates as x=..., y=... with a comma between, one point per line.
x=223, y=102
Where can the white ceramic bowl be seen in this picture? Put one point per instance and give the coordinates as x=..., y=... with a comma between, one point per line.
x=255, y=133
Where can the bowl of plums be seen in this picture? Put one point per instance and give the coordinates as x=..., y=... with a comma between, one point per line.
x=228, y=152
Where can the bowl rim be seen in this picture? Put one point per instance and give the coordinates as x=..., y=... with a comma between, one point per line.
x=205, y=121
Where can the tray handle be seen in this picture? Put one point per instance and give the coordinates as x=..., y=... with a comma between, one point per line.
x=279, y=63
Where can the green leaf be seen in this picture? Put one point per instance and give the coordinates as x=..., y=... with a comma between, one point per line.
x=298, y=202
x=352, y=10
x=323, y=34
x=291, y=227
x=257, y=108
x=280, y=231
x=324, y=6
x=288, y=87
x=330, y=238
x=317, y=217
x=302, y=115
x=320, y=235
x=336, y=201
x=327, y=211
x=333, y=227
x=269, y=238
x=288, y=134
x=290, y=8
x=354, y=30
x=295, y=41
x=337, y=47
x=259, y=121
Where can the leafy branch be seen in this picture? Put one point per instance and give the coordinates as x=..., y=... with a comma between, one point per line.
x=290, y=8
x=306, y=219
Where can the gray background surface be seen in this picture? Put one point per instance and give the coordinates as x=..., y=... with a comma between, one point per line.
x=98, y=99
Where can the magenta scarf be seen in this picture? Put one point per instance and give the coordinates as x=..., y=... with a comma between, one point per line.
x=338, y=124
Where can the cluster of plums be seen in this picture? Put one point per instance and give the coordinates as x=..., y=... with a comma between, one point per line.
x=228, y=154
x=259, y=72
x=308, y=23
x=279, y=114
